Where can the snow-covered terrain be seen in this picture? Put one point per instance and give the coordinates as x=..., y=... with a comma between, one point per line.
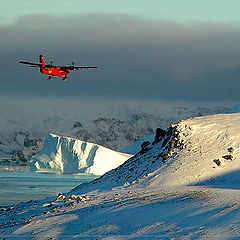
x=25, y=123
x=185, y=185
x=68, y=155
x=136, y=146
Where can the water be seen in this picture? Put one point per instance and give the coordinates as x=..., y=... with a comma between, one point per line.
x=16, y=187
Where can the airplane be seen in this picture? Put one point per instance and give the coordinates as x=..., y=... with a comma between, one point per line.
x=52, y=70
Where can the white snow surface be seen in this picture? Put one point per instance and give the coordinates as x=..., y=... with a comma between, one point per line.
x=69, y=155
x=186, y=196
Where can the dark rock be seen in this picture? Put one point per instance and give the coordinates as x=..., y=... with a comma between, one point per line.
x=231, y=149
x=160, y=133
x=218, y=162
x=77, y=124
x=165, y=142
x=177, y=143
x=145, y=145
x=164, y=157
x=30, y=143
x=228, y=157
x=171, y=144
x=19, y=157
x=60, y=197
x=171, y=128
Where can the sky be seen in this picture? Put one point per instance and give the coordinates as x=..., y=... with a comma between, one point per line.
x=175, y=10
x=172, y=51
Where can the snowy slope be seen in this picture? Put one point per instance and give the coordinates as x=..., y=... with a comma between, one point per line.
x=203, y=140
x=171, y=189
x=136, y=146
x=68, y=155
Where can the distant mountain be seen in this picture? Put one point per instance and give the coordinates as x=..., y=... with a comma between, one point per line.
x=22, y=132
x=235, y=109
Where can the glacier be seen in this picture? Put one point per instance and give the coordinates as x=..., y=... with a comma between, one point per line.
x=69, y=155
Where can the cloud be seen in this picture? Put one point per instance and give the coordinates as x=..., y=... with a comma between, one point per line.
x=138, y=58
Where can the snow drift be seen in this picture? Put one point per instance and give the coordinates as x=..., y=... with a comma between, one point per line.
x=68, y=155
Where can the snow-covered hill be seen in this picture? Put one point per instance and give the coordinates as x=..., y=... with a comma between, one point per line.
x=185, y=185
x=68, y=155
x=187, y=154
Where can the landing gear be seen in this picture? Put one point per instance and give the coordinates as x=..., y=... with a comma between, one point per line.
x=50, y=78
x=64, y=79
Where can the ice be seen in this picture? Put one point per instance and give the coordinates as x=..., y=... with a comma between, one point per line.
x=69, y=155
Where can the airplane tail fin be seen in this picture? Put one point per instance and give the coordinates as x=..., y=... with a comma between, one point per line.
x=42, y=60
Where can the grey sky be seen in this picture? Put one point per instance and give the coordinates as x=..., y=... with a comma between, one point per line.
x=138, y=58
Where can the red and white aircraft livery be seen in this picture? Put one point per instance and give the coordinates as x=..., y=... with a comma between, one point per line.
x=52, y=70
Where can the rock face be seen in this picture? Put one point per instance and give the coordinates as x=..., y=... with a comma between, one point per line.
x=68, y=155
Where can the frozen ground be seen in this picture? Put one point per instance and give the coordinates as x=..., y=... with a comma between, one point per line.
x=171, y=190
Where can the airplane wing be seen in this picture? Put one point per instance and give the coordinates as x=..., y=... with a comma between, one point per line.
x=83, y=67
x=31, y=64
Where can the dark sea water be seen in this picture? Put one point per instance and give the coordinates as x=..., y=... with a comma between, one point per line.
x=16, y=187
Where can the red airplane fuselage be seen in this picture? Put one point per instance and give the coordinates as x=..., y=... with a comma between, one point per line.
x=54, y=71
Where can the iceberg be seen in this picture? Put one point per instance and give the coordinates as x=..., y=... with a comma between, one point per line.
x=69, y=155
